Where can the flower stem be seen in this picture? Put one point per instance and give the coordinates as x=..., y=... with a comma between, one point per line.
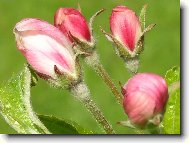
x=81, y=92
x=132, y=65
x=93, y=61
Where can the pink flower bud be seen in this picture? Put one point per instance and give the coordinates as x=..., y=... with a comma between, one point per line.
x=145, y=96
x=45, y=47
x=125, y=26
x=71, y=20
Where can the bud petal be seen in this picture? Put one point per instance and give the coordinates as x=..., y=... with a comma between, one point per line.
x=125, y=26
x=44, y=47
x=145, y=96
x=71, y=20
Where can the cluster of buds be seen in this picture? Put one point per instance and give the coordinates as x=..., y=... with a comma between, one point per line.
x=53, y=51
x=128, y=34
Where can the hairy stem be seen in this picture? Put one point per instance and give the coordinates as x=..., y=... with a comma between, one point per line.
x=81, y=92
x=93, y=61
x=132, y=65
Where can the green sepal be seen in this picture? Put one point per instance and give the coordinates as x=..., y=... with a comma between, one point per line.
x=142, y=17
x=127, y=124
x=82, y=45
x=140, y=44
x=92, y=19
x=121, y=50
x=64, y=80
x=79, y=7
x=156, y=120
x=150, y=27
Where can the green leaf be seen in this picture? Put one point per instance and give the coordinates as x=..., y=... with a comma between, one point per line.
x=171, y=121
x=173, y=75
x=15, y=104
x=62, y=126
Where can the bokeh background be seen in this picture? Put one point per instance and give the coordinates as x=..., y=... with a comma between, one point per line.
x=162, y=51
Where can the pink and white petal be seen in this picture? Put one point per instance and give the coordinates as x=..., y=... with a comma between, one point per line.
x=32, y=24
x=43, y=52
x=44, y=46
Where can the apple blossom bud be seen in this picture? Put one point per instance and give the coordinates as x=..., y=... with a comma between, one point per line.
x=70, y=20
x=128, y=35
x=145, y=98
x=125, y=27
x=46, y=48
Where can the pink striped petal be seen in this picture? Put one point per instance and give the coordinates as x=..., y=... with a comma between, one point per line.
x=71, y=20
x=44, y=46
x=145, y=95
x=125, y=26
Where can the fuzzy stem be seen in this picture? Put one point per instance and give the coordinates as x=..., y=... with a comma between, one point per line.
x=132, y=65
x=81, y=92
x=93, y=61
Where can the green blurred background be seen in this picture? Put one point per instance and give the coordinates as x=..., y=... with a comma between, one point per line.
x=162, y=51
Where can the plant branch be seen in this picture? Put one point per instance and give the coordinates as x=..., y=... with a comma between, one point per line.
x=93, y=61
x=81, y=92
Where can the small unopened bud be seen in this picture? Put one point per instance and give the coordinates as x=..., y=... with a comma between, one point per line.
x=125, y=27
x=145, y=98
x=73, y=24
x=127, y=34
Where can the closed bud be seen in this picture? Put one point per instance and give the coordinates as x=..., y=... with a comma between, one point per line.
x=125, y=27
x=46, y=49
x=73, y=24
x=128, y=35
x=145, y=98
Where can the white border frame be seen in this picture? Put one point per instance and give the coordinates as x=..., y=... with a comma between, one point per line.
x=184, y=138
